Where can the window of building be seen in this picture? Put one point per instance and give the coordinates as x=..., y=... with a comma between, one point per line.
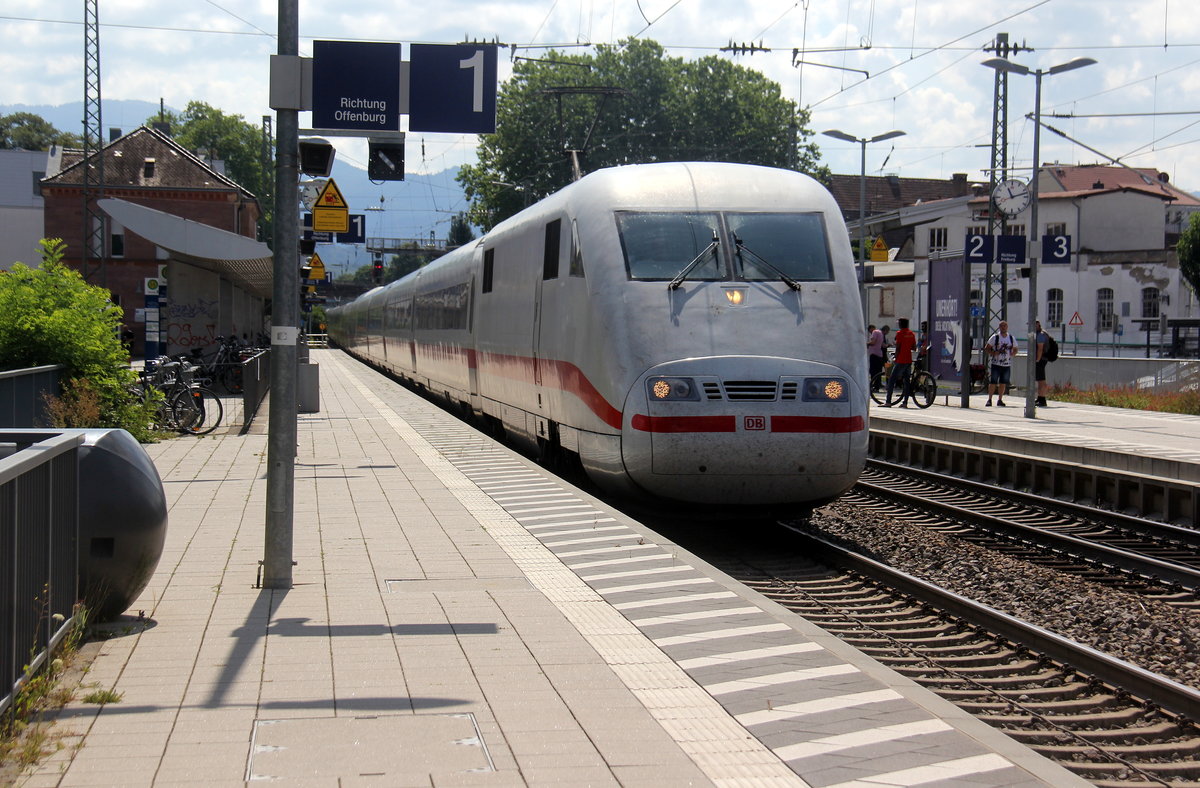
x=550, y=258
x=1054, y=307
x=1105, y=317
x=489, y=261
x=148, y=168
x=1014, y=296
x=938, y=239
x=977, y=229
x=1015, y=229
x=1057, y=228
x=1151, y=300
x=116, y=240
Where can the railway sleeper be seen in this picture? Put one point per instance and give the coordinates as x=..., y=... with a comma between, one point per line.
x=1036, y=694
x=1153, y=731
x=1124, y=717
x=1006, y=683
x=1004, y=660
x=1174, y=772
x=974, y=673
x=1086, y=704
x=1156, y=751
x=946, y=639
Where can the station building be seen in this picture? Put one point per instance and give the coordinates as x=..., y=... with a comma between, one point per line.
x=1123, y=278
x=169, y=218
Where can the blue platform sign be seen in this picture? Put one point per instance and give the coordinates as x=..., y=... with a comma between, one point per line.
x=452, y=88
x=978, y=247
x=1010, y=249
x=1056, y=249
x=357, y=233
x=356, y=86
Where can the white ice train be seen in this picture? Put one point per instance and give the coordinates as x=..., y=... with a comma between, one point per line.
x=692, y=331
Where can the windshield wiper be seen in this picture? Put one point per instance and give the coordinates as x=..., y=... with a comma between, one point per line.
x=739, y=247
x=687, y=269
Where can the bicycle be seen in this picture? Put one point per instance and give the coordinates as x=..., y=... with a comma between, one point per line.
x=922, y=388
x=183, y=405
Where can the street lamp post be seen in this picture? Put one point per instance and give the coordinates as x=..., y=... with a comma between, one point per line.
x=1034, y=239
x=862, y=202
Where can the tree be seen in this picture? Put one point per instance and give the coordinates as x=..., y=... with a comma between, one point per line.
x=460, y=233
x=231, y=139
x=26, y=131
x=1188, y=250
x=49, y=315
x=675, y=110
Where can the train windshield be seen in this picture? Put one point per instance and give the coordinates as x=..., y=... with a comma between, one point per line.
x=774, y=244
x=661, y=245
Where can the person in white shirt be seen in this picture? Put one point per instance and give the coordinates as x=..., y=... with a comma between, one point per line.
x=1000, y=349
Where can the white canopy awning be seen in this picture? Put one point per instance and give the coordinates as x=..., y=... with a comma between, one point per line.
x=246, y=262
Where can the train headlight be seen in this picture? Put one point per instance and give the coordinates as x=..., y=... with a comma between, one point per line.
x=825, y=390
x=668, y=389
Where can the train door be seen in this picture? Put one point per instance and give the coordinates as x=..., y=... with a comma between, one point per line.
x=550, y=258
x=472, y=349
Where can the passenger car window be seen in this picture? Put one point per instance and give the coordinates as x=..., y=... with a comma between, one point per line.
x=794, y=243
x=660, y=245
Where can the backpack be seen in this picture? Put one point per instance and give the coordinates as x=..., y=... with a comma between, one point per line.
x=1051, y=352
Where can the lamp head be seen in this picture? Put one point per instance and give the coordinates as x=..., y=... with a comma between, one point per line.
x=887, y=135
x=841, y=135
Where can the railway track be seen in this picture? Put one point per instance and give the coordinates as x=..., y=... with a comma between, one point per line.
x=1110, y=722
x=1151, y=558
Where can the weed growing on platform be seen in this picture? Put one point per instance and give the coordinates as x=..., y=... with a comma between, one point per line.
x=1128, y=397
x=103, y=696
x=24, y=737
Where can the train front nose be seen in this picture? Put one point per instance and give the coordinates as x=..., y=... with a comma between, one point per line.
x=766, y=430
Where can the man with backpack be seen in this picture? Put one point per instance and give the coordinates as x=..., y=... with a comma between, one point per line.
x=1000, y=348
x=1047, y=351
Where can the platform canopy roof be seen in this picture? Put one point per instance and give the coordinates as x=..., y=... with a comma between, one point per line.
x=249, y=264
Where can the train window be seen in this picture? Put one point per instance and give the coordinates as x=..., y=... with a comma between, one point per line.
x=550, y=258
x=489, y=261
x=791, y=244
x=576, y=251
x=661, y=245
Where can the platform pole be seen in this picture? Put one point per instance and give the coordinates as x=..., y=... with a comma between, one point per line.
x=285, y=316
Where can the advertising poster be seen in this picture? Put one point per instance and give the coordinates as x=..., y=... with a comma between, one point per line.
x=946, y=305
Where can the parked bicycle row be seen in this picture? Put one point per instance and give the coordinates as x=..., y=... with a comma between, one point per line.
x=181, y=403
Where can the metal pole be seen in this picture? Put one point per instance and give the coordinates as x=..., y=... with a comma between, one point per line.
x=1035, y=246
x=285, y=312
x=862, y=229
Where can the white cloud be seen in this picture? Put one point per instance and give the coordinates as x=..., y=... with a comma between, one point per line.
x=923, y=61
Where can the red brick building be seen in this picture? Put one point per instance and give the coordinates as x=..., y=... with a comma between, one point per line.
x=149, y=169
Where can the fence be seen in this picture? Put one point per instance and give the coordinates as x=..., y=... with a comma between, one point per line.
x=256, y=382
x=21, y=395
x=39, y=532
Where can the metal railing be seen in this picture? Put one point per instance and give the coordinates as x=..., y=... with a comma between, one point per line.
x=39, y=534
x=22, y=402
x=256, y=382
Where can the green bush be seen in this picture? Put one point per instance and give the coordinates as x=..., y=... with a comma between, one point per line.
x=49, y=315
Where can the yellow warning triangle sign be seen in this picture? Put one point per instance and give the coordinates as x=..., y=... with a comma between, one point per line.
x=330, y=197
x=316, y=267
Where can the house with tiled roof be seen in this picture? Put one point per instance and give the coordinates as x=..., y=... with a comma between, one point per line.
x=888, y=193
x=1121, y=276
x=170, y=218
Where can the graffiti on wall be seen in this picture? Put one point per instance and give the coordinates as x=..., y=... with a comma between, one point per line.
x=193, y=323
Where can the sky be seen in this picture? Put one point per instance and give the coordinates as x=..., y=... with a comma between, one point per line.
x=870, y=66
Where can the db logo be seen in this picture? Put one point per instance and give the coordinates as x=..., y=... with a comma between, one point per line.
x=756, y=423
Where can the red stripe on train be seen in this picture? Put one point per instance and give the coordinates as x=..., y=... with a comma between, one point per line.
x=822, y=424
x=684, y=423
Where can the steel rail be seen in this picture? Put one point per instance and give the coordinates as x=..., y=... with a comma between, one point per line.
x=1168, y=694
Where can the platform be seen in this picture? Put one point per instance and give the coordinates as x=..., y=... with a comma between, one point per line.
x=459, y=617
x=1140, y=462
